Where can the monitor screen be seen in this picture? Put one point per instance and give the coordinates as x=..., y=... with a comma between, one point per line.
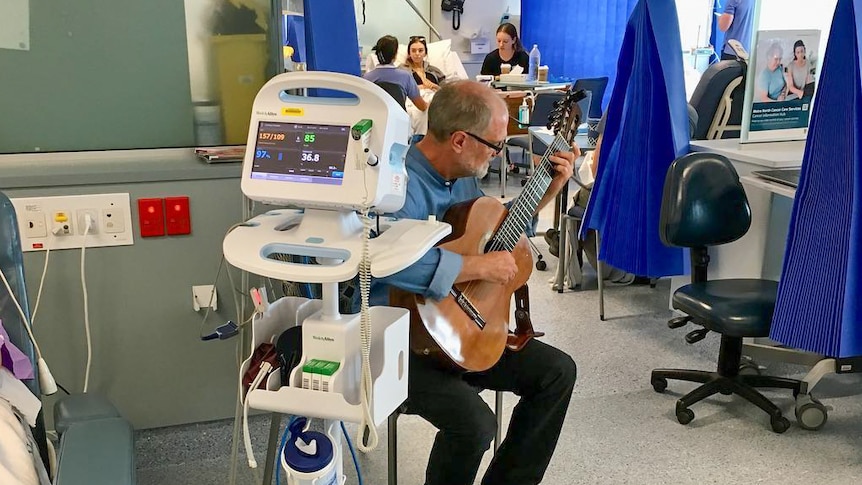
x=298, y=152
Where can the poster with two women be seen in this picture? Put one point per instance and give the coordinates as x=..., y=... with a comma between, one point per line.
x=780, y=89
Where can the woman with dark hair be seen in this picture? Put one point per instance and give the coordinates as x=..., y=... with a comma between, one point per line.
x=425, y=75
x=509, y=51
x=386, y=71
x=797, y=74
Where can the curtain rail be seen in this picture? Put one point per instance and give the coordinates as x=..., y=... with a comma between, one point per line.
x=413, y=6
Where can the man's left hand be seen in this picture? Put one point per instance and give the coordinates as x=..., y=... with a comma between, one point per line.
x=563, y=163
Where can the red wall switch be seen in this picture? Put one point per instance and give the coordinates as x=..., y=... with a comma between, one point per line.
x=179, y=217
x=151, y=215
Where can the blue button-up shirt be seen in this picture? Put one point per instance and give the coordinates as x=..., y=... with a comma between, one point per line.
x=428, y=193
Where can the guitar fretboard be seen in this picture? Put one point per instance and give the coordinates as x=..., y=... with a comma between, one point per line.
x=524, y=206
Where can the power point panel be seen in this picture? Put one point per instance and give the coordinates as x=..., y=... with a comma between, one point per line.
x=113, y=221
x=33, y=225
x=60, y=222
x=88, y=221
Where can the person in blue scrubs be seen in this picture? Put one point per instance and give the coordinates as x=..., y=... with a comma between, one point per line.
x=467, y=125
x=737, y=22
x=771, y=84
x=387, y=72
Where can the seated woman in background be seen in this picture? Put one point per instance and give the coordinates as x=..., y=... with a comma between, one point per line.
x=509, y=51
x=387, y=72
x=425, y=75
x=797, y=75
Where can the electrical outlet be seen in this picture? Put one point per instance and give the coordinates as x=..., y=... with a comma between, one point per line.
x=62, y=223
x=202, y=295
x=113, y=221
x=82, y=222
x=33, y=224
x=59, y=222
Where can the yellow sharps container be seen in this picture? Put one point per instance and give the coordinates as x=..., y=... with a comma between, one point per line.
x=241, y=68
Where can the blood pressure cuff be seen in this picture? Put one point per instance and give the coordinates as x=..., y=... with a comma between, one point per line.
x=264, y=352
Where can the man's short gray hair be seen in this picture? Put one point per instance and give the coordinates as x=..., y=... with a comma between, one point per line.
x=460, y=106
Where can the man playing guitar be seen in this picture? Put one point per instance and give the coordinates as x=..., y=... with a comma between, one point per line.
x=467, y=124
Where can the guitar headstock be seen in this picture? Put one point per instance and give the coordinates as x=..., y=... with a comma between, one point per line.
x=566, y=117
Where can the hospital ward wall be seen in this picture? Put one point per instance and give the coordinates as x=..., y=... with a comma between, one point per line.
x=147, y=354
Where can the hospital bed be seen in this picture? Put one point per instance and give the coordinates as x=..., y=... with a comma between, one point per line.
x=441, y=56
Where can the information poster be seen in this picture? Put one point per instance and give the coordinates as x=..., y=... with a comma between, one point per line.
x=783, y=76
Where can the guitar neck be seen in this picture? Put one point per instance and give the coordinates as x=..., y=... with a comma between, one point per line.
x=525, y=205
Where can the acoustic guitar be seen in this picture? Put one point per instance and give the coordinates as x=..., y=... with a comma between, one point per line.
x=469, y=329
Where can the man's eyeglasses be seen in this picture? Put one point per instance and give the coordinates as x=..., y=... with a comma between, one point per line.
x=496, y=147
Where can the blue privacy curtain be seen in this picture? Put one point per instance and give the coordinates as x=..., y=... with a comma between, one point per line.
x=577, y=38
x=818, y=306
x=647, y=128
x=331, y=38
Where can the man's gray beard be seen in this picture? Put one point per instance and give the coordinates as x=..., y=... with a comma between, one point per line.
x=482, y=172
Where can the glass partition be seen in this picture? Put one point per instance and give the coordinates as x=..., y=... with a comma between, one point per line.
x=127, y=74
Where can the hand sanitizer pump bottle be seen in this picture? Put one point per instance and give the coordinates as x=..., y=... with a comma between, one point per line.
x=524, y=114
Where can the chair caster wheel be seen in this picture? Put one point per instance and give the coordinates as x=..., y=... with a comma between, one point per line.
x=684, y=415
x=659, y=384
x=541, y=265
x=810, y=413
x=749, y=369
x=780, y=424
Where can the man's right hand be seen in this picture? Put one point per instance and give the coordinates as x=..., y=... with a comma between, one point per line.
x=496, y=266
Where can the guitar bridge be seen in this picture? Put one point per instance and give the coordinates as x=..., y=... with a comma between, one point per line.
x=468, y=307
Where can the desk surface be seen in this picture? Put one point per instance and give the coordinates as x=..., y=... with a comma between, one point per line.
x=785, y=154
x=774, y=187
x=530, y=86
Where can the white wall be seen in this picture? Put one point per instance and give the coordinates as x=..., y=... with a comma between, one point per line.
x=479, y=15
x=797, y=14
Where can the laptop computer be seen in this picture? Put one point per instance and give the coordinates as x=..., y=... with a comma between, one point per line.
x=789, y=177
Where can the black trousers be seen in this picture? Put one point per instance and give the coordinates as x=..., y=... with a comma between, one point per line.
x=541, y=375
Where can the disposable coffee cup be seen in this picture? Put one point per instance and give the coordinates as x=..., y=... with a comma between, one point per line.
x=543, y=74
x=505, y=68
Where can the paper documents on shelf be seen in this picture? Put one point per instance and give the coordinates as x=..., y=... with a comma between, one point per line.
x=221, y=154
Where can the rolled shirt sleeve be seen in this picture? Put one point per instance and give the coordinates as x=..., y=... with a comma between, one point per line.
x=730, y=7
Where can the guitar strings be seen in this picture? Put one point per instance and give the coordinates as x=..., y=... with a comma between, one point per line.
x=509, y=233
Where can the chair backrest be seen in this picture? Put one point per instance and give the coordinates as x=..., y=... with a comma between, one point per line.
x=709, y=96
x=596, y=86
x=395, y=91
x=703, y=203
x=543, y=106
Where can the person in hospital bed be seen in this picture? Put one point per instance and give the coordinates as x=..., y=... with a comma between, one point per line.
x=386, y=72
x=425, y=75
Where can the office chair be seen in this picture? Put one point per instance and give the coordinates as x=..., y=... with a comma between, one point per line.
x=596, y=86
x=718, y=100
x=543, y=105
x=395, y=91
x=392, y=441
x=703, y=205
